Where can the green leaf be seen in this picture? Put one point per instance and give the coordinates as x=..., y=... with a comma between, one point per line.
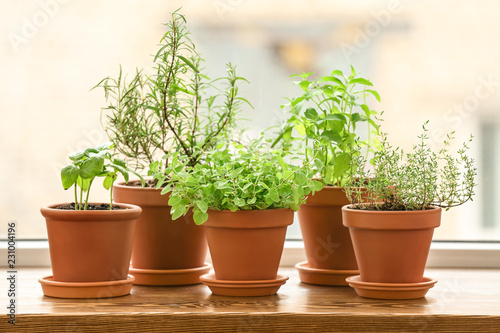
x=91, y=167
x=105, y=146
x=200, y=217
x=282, y=162
x=122, y=163
x=274, y=195
x=84, y=184
x=189, y=63
x=301, y=129
x=311, y=114
x=342, y=164
x=121, y=170
x=178, y=212
x=335, y=116
x=109, y=180
x=239, y=202
x=356, y=117
x=374, y=93
x=174, y=200
x=317, y=185
x=332, y=79
x=304, y=85
x=332, y=136
x=317, y=162
x=69, y=175
x=203, y=206
x=301, y=177
x=77, y=155
x=361, y=81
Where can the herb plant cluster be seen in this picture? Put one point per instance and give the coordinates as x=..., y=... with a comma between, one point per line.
x=326, y=118
x=171, y=109
x=416, y=180
x=87, y=164
x=238, y=178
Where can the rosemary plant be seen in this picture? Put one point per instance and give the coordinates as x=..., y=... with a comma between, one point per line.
x=155, y=115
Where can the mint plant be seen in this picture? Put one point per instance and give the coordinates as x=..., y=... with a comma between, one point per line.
x=176, y=108
x=326, y=118
x=415, y=180
x=87, y=164
x=238, y=178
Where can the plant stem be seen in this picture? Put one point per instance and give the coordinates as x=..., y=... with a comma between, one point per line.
x=76, y=198
x=111, y=197
x=81, y=199
x=87, y=197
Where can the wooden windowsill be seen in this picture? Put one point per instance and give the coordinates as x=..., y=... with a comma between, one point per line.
x=463, y=300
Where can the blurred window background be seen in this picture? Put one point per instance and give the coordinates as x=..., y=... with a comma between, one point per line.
x=429, y=60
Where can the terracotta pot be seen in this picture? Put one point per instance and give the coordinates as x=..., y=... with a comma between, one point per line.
x=90, y=246
x=160, y=242
x=391, y=246
x=247, y=245
x=327, y=242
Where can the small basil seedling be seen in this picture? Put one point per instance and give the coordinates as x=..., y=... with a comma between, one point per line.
x=87, y=164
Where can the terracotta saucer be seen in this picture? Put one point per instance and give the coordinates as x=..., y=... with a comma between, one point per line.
x=103, y=289
x=169, y=277
x=323, y=277
x=391, y=290
x=243, y=288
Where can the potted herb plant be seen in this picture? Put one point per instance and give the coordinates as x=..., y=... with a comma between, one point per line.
x=158, y=114
x=392, y=222
x=90, y=243
x=244, y=198
x=326, y=119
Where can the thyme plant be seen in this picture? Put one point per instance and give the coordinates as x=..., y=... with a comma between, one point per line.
x=87, y=164
x=238, y=178
x=325, y=119
x=416, y=180
x=170, y=110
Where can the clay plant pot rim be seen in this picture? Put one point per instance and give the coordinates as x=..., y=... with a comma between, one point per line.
x=131, y=212
x=391, y=220
x=260, y=218
x=124, y=185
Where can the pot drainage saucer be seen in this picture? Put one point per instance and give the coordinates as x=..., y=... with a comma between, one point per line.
x=391, y=290
x=102, y=289
x=243, y=287
x=323, y=277
x=169, y=277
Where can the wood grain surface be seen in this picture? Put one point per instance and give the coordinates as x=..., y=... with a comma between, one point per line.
x=461, y=301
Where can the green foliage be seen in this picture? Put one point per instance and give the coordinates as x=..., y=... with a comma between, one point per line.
x=325, y=119
x=170, y=110
x=87, y=164
x=415, y=180
x=237, y=178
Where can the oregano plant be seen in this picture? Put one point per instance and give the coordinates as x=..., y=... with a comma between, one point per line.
x=326, y=118
x=176, y=107
x=415, y=180
x=89, y=164
x=238, y=178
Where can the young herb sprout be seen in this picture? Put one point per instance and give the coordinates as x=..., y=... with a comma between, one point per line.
x=87, y=164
